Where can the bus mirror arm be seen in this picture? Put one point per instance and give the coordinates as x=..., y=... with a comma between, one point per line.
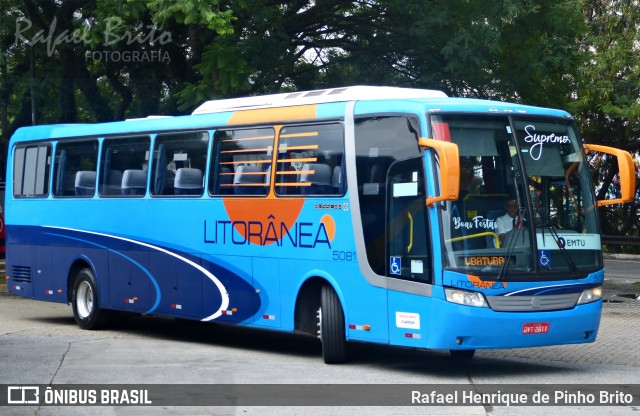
x=626, y=168
x=449, y=158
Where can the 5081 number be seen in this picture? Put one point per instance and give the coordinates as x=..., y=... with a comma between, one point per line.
x=344, y=256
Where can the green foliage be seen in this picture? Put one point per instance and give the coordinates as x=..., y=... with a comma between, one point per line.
x=609, y=81
x=189, y=12
x=606, y=97
x=226, y=74
x=510, y=49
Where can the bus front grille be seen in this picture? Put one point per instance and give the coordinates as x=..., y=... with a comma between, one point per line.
x=533, y=303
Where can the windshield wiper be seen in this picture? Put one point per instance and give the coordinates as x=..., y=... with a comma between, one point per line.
x=512, y=243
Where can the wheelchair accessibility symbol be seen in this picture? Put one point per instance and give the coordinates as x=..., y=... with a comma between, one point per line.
x=544, y=258
x=396, y=265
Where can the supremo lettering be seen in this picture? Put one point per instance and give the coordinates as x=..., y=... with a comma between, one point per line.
x=539, y=139
x=300, y=234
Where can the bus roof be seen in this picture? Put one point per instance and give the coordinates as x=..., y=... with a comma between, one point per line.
x=358, y=92
x=378, y=97
x=436, y=100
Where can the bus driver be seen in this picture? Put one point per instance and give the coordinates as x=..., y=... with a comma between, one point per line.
x=507, y=222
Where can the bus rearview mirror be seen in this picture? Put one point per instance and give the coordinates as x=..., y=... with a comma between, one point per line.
x=449, y=159
x=626, y=168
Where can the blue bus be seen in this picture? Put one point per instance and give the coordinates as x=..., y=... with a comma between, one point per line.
x=372, y=214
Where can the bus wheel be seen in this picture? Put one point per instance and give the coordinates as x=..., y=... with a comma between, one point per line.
x=86, y=311
x=331, y=329
x=462, y=355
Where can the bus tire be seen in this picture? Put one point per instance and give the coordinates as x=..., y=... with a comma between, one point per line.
x=331, y=327
x=462, y=355
x=84, y=298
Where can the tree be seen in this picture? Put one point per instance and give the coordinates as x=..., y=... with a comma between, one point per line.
x=513, y=50
x=84, y=61
x=607, y=94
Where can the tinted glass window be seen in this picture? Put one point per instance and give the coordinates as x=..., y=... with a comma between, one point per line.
x=75, y=169
x=241, y=162
x=380, y=141
x=31, y=170
x=179, y=164
x=309, y=160
x=125, y=164
x=408, y=240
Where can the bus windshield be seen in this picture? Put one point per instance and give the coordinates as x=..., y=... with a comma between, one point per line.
x=525, y=205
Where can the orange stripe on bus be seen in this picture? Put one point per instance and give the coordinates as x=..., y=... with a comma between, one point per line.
x=307, y=134
x=248, y=138
x=305, y=147
x=266, y=149
x=264, y=115
x=302, y=159
x=295, y=172
x=293, y=184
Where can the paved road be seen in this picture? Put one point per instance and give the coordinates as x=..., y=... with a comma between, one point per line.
x=626, y=268
x=40, y=343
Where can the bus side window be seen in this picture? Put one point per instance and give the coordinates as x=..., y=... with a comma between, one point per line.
x=179, y=163
x=309, y=160
x=241, y=161
x=127, y=160
x=31, y=170
x=75, y=168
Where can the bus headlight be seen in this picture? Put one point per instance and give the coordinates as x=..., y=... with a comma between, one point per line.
x=464, y=297
x=590, y=295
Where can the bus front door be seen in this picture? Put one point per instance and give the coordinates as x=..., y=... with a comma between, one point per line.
x=408, y=253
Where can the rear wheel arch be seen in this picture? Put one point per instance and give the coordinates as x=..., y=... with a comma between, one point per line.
x=77, y=265
x=307, y=305
x=85, y=298
x=320, y=312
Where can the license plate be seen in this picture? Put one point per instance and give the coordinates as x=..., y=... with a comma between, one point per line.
x=535, y=328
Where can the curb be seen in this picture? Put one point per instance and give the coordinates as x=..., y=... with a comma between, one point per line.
x=617, y=256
